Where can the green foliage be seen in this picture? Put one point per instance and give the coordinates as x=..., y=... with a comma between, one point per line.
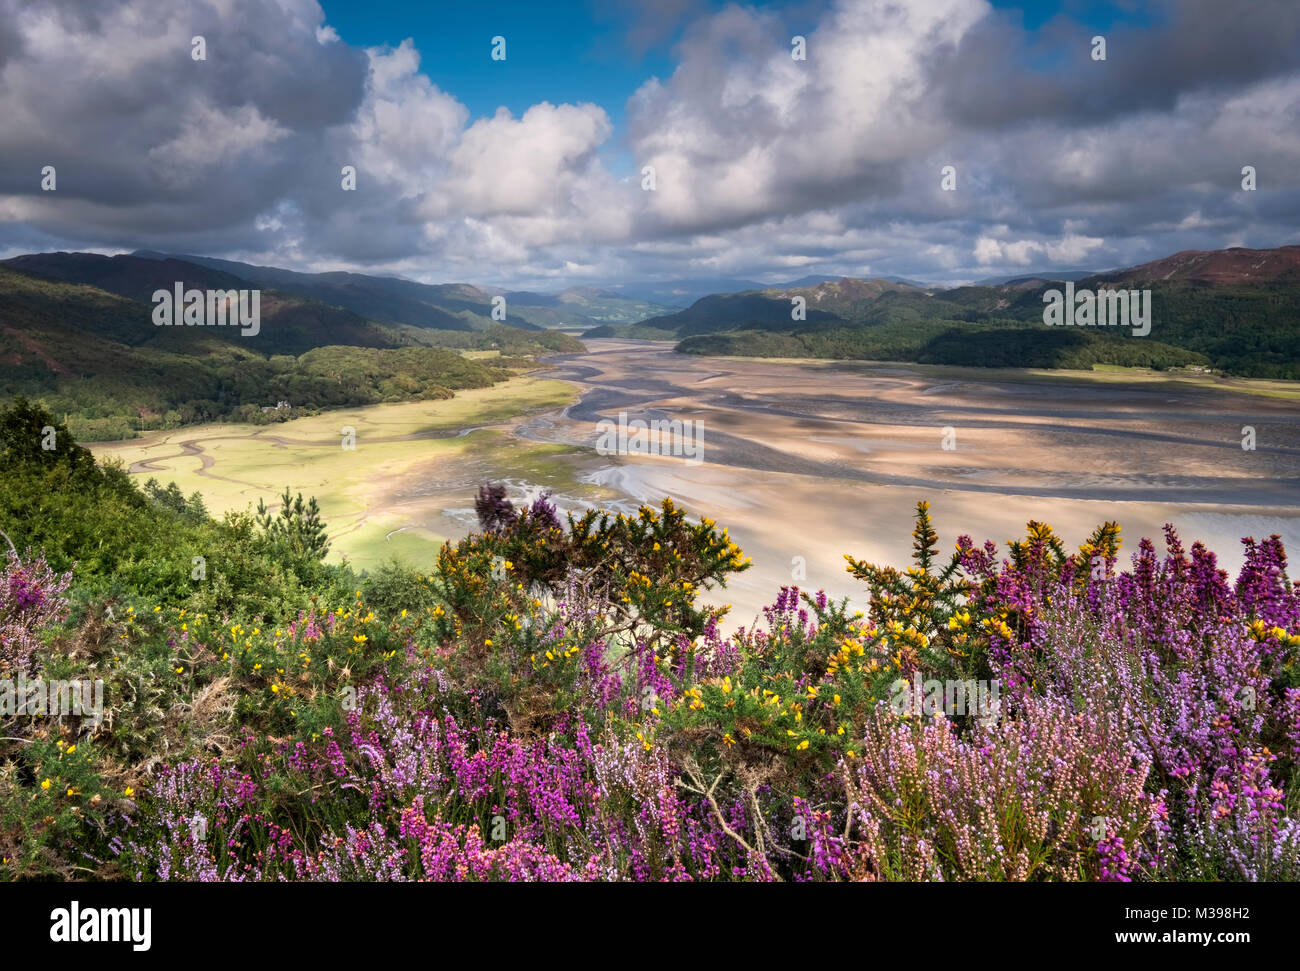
x=171, y=498
x=127, y=542
x=645, y=572
x=1241, y=330
x=794, y=705
x=394, y=588
x=98, y=360
x=652, y=565
x=510, y=341
x=914, y=609
x=65, y=798
x=296, y=533
x=30, y=438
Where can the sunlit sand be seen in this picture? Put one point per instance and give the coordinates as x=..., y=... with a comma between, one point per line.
x=803, y=461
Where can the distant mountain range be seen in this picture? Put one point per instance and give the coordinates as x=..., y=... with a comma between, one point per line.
x=825, y=299
x=447, y=306
x=383, y=299
x=77, y=332
x=76, y=329
x=1237, y=310
x=683, y=293
x=1061, y=275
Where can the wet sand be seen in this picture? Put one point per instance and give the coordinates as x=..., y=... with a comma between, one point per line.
x=806, y=461
x=803, y=461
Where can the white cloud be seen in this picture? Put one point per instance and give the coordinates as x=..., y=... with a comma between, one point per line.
x=1022, y=252
x=1072, y=249
x=763, y=164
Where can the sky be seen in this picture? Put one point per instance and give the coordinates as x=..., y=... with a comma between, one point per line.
x=531, y=170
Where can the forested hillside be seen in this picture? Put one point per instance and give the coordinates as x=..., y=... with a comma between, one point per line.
x=1237, y=311
x=98, y=359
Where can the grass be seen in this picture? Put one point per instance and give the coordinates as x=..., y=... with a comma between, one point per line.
x=411, y=460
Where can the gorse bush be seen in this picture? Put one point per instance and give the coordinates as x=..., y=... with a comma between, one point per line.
x=554, y=698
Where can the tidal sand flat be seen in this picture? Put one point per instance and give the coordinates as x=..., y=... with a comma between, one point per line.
x=803, y=461
x=806, y=461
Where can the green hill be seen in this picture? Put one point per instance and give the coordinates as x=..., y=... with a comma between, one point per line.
x=447, y=306
x=97, y=358
x=1237, y=311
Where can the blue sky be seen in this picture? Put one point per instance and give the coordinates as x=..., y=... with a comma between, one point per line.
x=556, y=51
x=1095, y=13
x=579, y=50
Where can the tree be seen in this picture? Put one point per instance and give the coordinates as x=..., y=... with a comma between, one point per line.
x=296, y=530
x=29, y=435
x=198, y=509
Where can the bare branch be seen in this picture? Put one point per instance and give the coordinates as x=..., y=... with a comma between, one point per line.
x=692, y=769
x=11, y=546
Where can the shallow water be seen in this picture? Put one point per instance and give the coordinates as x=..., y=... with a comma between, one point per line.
x=808, y=461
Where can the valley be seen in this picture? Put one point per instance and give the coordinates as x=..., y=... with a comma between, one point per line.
x=803, y=460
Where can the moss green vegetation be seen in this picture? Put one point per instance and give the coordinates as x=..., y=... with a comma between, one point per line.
x=413, y=443
x=1238, y=330
x=633, y=332
x=96, y=360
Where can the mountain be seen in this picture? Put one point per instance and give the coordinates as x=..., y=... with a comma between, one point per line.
x=1061, y=275
x=606, y=306
x=678, y=294
x=681, y=293
x=1226, y=267
x=447, y=306
x=767, y=308
x=808, y=281
x=1236, y=310
x=385, y=300
x=290, y=324
x=844, y=297
x=92, y=353
x=804, y=281
x=452, y=306
x=580, y=308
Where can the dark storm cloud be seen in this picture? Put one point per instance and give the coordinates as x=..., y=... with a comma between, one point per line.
x=11, y=42
x=148, y=142
x=999, y=75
